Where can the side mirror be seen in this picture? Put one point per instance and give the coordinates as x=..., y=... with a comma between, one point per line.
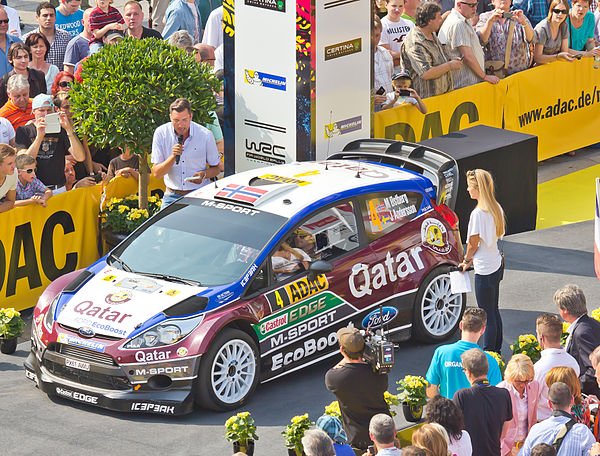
x=319, y=267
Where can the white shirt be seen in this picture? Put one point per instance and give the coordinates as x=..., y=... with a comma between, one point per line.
x=219, y=65
x=461, y=447
x=570, y=331
x=401, y=100
x=487, y=258
x=7, y=132
x=10, y=183
x=14, y=22
x=194, y=9
x=198, y=150
x=551, y=357
x=213, y=33
x=393, y=33
x=383, y=71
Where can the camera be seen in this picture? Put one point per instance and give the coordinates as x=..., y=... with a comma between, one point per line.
x=379, y=351
x=403, y=93
x=507, y=14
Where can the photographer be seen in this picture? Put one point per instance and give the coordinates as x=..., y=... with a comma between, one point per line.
x=358, y=389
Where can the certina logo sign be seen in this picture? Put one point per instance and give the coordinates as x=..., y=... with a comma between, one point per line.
x=341, y=49
x=310, y=347
x=162, y=370
x=76, y=396
x=153, y=408
x=380, y=274
x=379, y=317
x=272, y=5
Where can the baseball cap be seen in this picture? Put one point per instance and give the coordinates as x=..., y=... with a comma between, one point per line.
x=42, y=101
x=333, y=428
x=351, y=340
x=111, y=35
x=400, y=74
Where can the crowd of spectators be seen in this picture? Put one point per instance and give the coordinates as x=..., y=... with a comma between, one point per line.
x=38, y=70
x=444, y=46
x=546, y=408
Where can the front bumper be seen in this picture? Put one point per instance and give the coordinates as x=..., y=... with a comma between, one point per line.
x=124, y=388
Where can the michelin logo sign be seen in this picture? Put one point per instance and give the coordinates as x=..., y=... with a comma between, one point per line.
x=256, y=78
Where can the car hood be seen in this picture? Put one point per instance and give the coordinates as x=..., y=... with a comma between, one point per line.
x=115, y=302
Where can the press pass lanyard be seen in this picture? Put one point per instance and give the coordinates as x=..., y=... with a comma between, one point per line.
x=481, y=383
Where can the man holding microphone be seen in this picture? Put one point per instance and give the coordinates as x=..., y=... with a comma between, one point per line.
x=184, y=153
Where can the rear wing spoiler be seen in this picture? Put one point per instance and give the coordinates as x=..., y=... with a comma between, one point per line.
x=440, y=168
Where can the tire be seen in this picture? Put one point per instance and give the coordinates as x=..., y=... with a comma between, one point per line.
x=230, y=386
x=437, y=312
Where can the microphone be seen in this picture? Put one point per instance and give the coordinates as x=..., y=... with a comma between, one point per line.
x=179, y=141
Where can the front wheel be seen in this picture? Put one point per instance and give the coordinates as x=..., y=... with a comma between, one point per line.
x=437, y=311
x=228, y=372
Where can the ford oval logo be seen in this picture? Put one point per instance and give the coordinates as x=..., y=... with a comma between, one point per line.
x=379, y=317
x=86, y=331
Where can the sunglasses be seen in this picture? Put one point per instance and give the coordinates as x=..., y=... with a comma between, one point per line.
x=28, y=171
x=470, y=5
x=3, y=21
x=559, y=11
x=64, y=84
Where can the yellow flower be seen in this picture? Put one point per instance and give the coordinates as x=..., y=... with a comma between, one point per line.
x=244, y=414
x=122, y=208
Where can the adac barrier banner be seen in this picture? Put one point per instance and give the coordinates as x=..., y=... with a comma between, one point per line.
x=559, y=103
x=39, y=244
x=480, y=104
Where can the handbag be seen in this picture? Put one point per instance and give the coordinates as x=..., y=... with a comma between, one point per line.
x=498, y=67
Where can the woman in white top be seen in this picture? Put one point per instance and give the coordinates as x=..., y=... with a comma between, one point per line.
x=288, y=260
x=40, y=47
x=486, y=226
x=447, y=414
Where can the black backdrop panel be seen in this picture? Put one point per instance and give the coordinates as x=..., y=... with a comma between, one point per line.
x=511, y=157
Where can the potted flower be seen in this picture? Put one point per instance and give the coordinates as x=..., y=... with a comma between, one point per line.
x=241, y=431
x=391, y=400
x=333, y=409
x=413, y=397
x=11, y=327
x=121, y=216
x=500, y=360
x=565, y=333
x=528, y=345
x=293, y=434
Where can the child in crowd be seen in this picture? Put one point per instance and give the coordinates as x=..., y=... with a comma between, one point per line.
x=103, y=19
x=8, y=177
x=126, y=165
x=403, y=93
x=30, y=190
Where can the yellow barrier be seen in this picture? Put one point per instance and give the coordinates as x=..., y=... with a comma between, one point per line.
x=38, y=245
x=558, y=102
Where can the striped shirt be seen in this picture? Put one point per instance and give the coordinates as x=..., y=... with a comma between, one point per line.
x=99, y=19
x=457, y=31
x=576, y=443
x=56, y=54
x=15, y=115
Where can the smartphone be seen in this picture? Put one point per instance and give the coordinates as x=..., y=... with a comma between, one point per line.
x=371, y=450
x=507, y=14
x=578, y=56
x=97, y=177
x=52, y=123
x=187, y=179
x=404, y=93
x=381, y=91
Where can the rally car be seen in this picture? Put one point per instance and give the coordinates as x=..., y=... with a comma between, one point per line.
x=247, y=279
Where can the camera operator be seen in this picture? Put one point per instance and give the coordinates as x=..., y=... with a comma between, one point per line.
x=359, y=390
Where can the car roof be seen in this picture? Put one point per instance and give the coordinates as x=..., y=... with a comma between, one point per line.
x=287, y=189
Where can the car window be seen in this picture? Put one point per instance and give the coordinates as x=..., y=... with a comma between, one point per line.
x=383, y=212
x=325, y=235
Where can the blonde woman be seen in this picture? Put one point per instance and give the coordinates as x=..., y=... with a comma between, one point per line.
x=486, y=226
x=432, y=438
x=524, y=393
x=288, y=260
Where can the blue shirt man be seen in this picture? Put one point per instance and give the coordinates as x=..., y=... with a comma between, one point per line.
x=6, y=41
x=445, y=374
x=183, y=15
x=68, y=17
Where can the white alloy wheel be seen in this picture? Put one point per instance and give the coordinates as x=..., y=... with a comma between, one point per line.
x=233, y=371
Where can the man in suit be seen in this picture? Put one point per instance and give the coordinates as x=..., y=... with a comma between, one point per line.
x=584, y=333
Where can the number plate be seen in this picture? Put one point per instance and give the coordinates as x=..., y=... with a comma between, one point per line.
x=77, y=364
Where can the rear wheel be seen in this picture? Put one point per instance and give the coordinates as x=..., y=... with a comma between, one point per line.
x=437, y=311
x=228, y=372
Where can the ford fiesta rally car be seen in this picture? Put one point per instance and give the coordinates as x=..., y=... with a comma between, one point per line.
x=249, y=279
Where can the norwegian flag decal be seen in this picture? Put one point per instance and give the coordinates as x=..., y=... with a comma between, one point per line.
x=241, y=193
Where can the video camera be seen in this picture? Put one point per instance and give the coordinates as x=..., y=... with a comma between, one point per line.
x=379, y=351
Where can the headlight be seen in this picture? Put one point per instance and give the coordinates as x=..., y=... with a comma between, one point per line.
x=49, y=318
x=166, y=333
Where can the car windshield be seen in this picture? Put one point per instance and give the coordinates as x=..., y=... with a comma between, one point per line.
x=209, y=242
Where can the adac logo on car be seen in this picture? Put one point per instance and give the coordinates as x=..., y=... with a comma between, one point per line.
x=304, y=288
x=118, y=298
x=435, y=236
x=379, y=317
